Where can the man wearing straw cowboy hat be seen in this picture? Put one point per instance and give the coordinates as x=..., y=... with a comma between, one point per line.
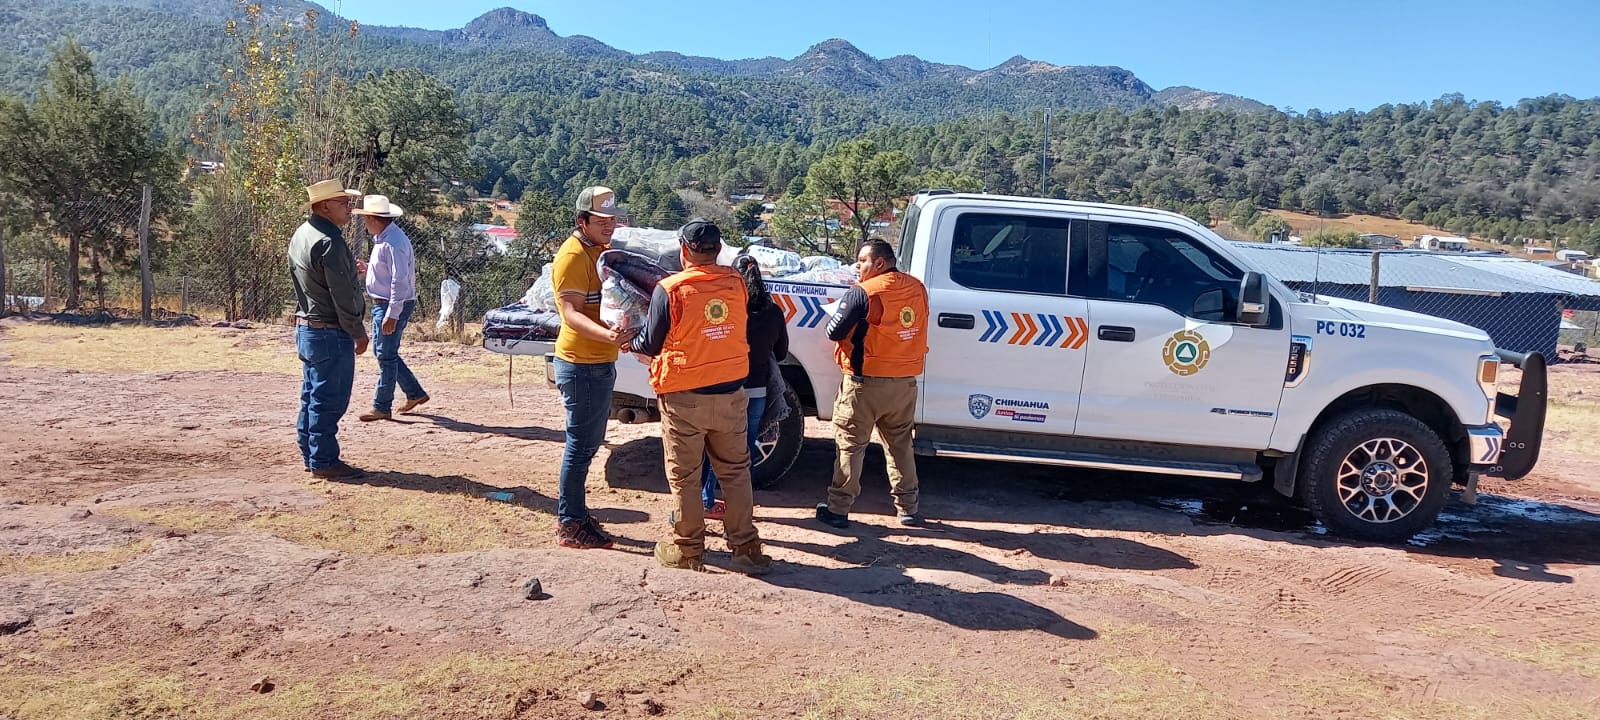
x=392, y=283
x=329, y=332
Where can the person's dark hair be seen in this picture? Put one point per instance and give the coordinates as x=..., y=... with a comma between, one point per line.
x=880, y=249
x=583, y=216
x=756, y=294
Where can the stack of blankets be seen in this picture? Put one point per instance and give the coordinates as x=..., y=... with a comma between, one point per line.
x=518, y=321
x=627, y=279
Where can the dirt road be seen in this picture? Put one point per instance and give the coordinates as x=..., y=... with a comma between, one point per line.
x=161, y=553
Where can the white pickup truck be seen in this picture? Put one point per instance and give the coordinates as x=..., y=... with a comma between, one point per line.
x=1122, y=338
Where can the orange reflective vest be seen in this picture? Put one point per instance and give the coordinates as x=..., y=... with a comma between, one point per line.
x=706, y=343
x=897, y=328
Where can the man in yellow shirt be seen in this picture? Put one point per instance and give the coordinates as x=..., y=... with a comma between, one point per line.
x=585, y=363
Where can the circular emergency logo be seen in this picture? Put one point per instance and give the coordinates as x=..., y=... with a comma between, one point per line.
x=908, y=316
x=1186, y=353
x=716, y=311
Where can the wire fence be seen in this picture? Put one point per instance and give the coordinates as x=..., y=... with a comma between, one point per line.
x=1525, y=305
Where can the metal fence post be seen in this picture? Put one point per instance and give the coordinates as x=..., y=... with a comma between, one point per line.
x=146, y=283
x=1372, y=291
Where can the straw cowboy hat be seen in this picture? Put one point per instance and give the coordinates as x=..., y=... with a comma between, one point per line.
x=379, y=206
x=327, y=190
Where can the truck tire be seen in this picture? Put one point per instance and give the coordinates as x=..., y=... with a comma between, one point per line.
x=1377, y=475
x=773, y=459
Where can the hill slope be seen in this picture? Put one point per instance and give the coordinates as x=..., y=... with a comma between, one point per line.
x=915, y=88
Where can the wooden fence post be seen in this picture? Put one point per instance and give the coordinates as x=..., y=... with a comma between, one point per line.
x=146, y=283
x=5, y=293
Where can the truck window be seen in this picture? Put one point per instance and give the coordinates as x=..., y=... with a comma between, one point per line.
x=1010, y=253
x=1162, y=267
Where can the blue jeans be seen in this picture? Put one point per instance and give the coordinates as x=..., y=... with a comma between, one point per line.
x=708, y=479
x=390, y=367
x=328, y=358
x=586, y=394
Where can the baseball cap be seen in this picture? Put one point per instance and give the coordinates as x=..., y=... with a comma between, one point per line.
x=597, y=200
x=701, y=236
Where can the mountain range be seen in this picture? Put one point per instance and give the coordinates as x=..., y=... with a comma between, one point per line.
x=1016, y=85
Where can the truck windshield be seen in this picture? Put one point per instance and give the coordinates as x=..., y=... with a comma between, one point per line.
x=908, y=234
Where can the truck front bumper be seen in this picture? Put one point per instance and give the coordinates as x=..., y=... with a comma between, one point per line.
x=1513, y=454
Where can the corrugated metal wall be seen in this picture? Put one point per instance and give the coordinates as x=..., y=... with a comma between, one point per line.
x=1524, y=322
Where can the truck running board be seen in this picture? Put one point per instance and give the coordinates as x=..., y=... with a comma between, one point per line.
x=1095, y=461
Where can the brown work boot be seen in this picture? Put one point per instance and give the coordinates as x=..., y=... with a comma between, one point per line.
x=409, y=404
x=372, y=415
x=750, y=561
x=670, y=555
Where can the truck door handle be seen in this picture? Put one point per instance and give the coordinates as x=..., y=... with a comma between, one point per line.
x=956, y=320
x=1116, y=333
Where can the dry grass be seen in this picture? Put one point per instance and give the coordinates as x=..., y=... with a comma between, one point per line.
x=456, y=686
x=1366, y=695
x=193, y=518
x=384, y=521
x=1142, y=690
x=373, y=521
x=123, y=692
x=1304, y=223
x=79, y=562
x=475, y=365
x=1576, y=658
x=131, y=348
x=1570, y=426
x=122, y=348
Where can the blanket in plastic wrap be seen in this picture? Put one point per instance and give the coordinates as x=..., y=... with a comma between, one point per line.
x=627, y=279
x=517, y=321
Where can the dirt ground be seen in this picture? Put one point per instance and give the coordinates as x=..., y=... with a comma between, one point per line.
x=162, y=555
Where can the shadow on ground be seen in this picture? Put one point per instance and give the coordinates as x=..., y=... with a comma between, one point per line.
x=525, y=432
x=520, y=495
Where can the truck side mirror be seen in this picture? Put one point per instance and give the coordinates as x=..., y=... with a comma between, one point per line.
x=1253, y=300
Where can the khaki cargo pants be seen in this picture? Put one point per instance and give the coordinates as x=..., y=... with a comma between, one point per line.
x=890, y=405
x=696, y=426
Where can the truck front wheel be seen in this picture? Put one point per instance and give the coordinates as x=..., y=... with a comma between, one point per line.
x=1376, y=475
x=777, y=451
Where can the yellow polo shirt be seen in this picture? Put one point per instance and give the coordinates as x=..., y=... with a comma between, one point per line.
x=576, y=270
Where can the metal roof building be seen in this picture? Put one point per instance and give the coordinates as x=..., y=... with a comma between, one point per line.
x=1517, y=302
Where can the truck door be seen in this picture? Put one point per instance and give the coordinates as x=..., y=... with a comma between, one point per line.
x=1167, y=362
x=1006, y=342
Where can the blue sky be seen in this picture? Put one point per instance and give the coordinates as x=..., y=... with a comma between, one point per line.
x=1288, y=53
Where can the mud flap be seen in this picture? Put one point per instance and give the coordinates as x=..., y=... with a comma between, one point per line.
x=1526, y=411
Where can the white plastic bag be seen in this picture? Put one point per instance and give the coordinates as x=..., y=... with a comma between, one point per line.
x=542, y=294
x=775, y=262
x=821, y=262
x=840, y=276
x=449, y=293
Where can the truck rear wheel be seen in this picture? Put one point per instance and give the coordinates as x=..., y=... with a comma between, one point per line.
x=1376, y=475
x=774, y=457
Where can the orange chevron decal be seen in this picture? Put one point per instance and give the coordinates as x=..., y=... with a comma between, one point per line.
x=1027, y=329
x=787, y=304
x=1077, y=333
